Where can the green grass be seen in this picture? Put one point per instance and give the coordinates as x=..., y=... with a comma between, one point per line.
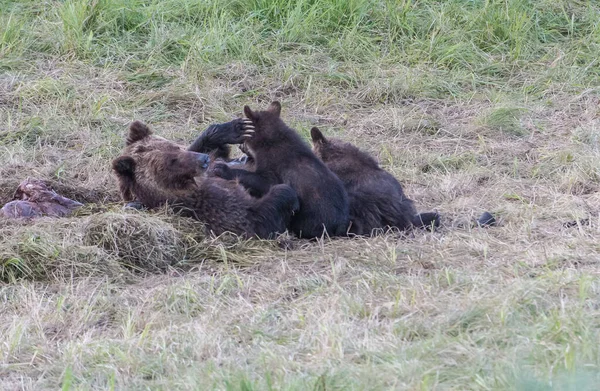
x=451, y=48
x=482, y=105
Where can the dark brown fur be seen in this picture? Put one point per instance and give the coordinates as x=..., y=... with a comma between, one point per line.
x=215, y=140
x=154, y=171
x=376, y=198
x=279, y=155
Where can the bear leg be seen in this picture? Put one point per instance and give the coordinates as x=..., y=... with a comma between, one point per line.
x=216, y=137
x=257, y=184
x=273, y=212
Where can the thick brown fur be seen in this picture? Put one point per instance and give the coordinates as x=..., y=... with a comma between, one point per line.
x=154, y=171
x=279, y=155
x=376, y=198
x=215, y=140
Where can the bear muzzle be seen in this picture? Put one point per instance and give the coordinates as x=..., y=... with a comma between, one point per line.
x=203, y=159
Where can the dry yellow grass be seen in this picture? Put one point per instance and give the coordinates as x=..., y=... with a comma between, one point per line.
x=489, y=106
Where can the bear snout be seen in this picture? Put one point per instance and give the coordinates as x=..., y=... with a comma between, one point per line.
x=202, y=159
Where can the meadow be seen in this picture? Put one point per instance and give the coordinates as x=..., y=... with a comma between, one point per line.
x=474, y=105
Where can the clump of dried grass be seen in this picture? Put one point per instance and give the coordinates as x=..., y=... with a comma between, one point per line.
x=51, y=249
x=116, y=244
x=143, y=242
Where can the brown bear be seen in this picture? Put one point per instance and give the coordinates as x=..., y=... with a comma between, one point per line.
x=279, y=155
x=376, y=197
x=155, y=171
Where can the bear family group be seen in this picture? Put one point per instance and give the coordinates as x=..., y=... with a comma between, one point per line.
x=281, y=184
x=333, y=189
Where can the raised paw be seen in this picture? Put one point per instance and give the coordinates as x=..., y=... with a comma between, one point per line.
x=248, y=127
x=240, y=130
x=232, y=132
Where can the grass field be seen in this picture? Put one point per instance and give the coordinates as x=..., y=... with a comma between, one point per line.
x=475, y=105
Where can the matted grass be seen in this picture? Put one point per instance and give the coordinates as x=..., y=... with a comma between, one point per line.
x=474, y=105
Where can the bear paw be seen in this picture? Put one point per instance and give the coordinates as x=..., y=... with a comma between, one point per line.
x=242, y=130
x=221, y=170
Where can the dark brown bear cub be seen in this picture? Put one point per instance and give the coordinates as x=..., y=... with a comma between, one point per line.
x=376, y=197
x=155, y=171
x=281, y=156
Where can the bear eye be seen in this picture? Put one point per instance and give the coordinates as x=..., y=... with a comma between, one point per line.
x=173, y=160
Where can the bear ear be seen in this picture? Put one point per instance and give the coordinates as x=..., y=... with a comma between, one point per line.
x=124, y=166
x=275, y=108
x=137, y=131
x=317, y=136
x=249, y=113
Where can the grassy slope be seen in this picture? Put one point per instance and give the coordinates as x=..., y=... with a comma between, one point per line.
x=474, y=105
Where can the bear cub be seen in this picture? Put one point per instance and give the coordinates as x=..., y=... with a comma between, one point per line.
x=154, y=171
x=279, y=155
x=376, y=198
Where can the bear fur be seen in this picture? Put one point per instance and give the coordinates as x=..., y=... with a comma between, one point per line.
x=279, y=155
x=216, y=138
x=376, y=198
x=154, y=171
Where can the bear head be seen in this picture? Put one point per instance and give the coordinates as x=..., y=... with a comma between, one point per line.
x=152, y=170
x=267, y=123
x=336, y=152
x=328, y=149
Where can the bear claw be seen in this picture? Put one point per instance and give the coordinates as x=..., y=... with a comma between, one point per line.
x=248, y=126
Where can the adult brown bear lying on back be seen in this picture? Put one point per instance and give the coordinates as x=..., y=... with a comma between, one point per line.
x=376, y=197
x=281, y=156
x=155, y=171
